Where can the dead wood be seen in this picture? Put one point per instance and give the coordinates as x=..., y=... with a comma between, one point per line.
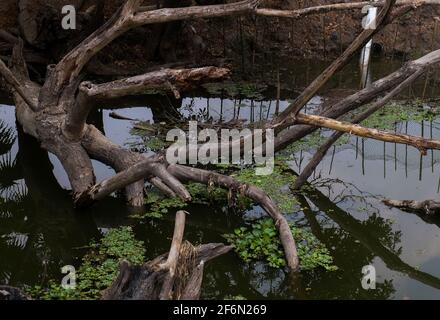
x=360, y=98
x=428, y=207
x=176, y=275
x=56, y=115
x=252, y=192
x=322, y=9
x=381, y=135
x=340, y=62
x=322, y=150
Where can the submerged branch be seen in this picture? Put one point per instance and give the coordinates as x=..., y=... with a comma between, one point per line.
x=254, y=193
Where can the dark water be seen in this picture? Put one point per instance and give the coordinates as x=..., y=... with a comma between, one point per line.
x=40, y=232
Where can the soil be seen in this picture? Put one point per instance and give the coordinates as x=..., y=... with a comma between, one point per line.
x=320, y=36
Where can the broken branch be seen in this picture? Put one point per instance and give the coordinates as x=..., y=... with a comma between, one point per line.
x=382, y=135
x=173, y=256
x=254, y=193
x=16, y=86
x=322, y=150
x=340, y=62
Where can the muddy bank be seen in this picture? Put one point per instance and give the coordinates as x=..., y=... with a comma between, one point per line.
x=320, y=36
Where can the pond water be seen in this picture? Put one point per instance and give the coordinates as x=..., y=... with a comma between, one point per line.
x=40, y=232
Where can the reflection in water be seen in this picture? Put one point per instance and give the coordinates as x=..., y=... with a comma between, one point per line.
x=40, y=232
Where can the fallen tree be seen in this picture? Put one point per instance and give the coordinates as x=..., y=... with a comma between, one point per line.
x=55, y=112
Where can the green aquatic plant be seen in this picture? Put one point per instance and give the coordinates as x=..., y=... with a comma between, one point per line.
x=276, y=185
x=206, y=195
x=160, y=204
x=236, y=297
x=397, y=112
x=99, y=267
x=261, y=242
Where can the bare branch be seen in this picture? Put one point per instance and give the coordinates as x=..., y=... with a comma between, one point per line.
x=100, y=148
x=122, y=179
x=322, y=150
x=213, y=11
x=256, y=194
x=428, y=207
x=360, y=98
x=323, y=78
x=177, y=79
x=347, y=127
x=155, y=181
x=127, y=18
x=192, y=289
x=15, y=85
x=173, y=256
x=337, y=7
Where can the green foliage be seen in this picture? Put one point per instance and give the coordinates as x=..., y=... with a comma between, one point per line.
x=276, y=186
x=156, y=144
x=396, y=112
x=160, y=205
x=99, y=267
x=149, y=139
x=261, y=242
x=237, y=297
x=206, y=195
x=7, y=138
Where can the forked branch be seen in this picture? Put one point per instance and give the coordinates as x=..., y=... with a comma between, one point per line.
x=89, y=93
x=127, y=18
x=257, y=195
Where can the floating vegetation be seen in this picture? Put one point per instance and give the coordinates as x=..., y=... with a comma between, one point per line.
x=261, y=242
x=99, y=267
x=160, y=204
x=397, y=112
x=277, y=185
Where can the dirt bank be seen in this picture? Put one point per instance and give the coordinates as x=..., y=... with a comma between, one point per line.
x=321, y=36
